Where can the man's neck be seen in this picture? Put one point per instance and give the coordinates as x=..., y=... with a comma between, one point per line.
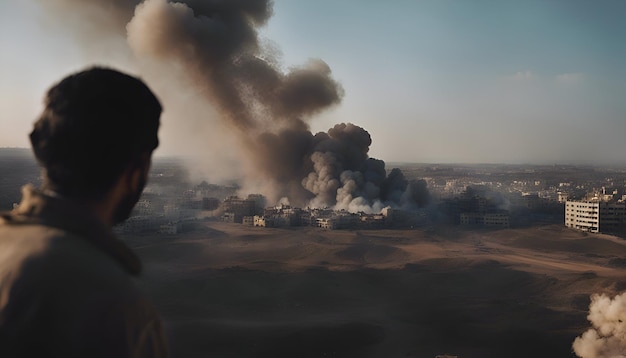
x=100, y=208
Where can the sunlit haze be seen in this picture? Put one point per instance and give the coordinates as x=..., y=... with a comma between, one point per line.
x=431, y=81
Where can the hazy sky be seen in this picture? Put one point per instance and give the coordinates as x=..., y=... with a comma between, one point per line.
x=432, y=81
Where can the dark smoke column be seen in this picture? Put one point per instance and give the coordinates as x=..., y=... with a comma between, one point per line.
x=216, y=43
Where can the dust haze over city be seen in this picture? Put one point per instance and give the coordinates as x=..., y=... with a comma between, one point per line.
x=274, y=223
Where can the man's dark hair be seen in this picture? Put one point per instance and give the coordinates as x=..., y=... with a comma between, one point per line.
x=95, y=124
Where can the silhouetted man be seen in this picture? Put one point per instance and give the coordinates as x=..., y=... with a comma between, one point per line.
x=66, y=285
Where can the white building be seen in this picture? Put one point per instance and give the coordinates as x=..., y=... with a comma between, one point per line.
x=595, y=216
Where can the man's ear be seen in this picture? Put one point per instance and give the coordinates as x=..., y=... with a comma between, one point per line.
x=145, y=164
x=137, y=171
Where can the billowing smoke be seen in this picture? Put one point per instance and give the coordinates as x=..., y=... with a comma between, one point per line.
x=215, y=44
x=607, y=337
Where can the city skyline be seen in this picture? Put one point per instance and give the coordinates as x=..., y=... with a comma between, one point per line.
x=431, y=81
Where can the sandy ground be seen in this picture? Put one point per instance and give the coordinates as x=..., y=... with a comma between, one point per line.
x=227, y=290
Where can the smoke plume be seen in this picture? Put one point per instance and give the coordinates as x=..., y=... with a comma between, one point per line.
x=215, y=45
x=607, y=337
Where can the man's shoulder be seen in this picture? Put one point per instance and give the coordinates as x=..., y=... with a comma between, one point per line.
x=37, y=249
x=20, y=240
x=60, y=281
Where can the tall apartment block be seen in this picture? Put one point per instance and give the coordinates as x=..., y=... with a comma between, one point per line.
x=596, y=216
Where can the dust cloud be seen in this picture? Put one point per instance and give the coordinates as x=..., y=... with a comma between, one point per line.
x=607, y=337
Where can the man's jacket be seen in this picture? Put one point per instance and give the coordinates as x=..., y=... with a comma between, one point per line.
x=66, y=286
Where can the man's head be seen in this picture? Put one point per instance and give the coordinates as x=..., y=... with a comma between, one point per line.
x=96, y=125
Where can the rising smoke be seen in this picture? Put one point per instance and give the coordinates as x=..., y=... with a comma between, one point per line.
x=607, y=337
x=216, y=45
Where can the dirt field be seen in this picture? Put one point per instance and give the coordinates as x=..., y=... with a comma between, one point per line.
x=226, y=290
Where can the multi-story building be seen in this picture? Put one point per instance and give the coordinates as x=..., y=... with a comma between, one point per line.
x=498, y=219
x=235, y=209
x=595, y=216
x=210, y=203
x=242, y=207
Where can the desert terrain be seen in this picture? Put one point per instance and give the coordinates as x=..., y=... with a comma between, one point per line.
x=227, y=290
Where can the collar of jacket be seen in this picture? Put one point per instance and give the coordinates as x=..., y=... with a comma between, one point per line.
x=39, y=208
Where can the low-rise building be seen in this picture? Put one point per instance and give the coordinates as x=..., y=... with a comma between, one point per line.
x=263, y=221
x=326, y=223
x=171, y=228
x=372, y=221
x=232, y=218
x=138, y=224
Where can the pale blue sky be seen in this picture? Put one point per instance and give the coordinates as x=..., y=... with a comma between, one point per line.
x=432, y=81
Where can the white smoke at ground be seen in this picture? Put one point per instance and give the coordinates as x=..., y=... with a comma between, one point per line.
x=607, y=336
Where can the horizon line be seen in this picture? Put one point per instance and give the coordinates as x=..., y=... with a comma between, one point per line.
x=404, y=162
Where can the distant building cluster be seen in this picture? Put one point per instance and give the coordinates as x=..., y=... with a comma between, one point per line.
x=171, y=211
x=157, y=215
x=588, y=198
x=287, y=216
x=478, y=208
x=472, y=196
